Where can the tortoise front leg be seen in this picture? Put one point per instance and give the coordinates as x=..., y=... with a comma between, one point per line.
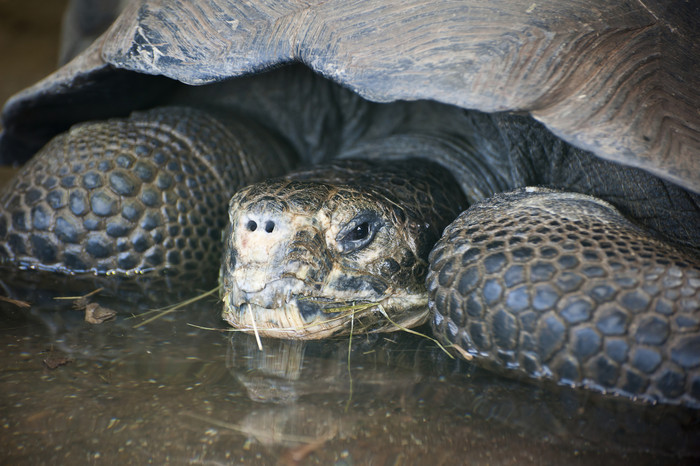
x=560, y=286
x=147, y=193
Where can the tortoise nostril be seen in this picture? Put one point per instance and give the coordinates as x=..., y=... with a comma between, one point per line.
x=252, y=226
x=269, y=226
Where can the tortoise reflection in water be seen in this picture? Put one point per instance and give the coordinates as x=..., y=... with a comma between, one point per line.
x=552, y=282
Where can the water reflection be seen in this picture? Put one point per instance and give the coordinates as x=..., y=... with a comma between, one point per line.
x=171, y=392
x=416, y=376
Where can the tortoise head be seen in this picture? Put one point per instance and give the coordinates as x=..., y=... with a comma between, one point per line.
x=311, y=259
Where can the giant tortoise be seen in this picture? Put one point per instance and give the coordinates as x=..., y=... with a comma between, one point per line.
x=577, y=167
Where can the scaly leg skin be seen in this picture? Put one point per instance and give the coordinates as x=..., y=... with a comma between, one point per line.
x=560, y=286
x=147, y=193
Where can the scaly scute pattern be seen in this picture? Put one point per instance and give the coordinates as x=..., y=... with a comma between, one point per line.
x=559, y=285
x=128, y=196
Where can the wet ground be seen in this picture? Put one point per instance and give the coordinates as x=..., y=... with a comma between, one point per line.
x=169, y=391
x=173, y=392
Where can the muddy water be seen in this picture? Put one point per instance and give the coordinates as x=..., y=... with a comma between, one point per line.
x=170, y=392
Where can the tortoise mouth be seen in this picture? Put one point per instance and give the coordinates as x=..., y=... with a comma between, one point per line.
x=311, y=317
x=293, y=307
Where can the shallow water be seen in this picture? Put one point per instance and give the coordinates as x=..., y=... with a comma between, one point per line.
x=80, y=393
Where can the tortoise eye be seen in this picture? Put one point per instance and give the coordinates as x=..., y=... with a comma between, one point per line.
x=359, y=232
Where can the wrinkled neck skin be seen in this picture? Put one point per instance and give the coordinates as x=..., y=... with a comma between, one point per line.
x=336, y=249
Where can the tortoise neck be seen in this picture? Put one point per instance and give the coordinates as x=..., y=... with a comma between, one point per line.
x=465, y=163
